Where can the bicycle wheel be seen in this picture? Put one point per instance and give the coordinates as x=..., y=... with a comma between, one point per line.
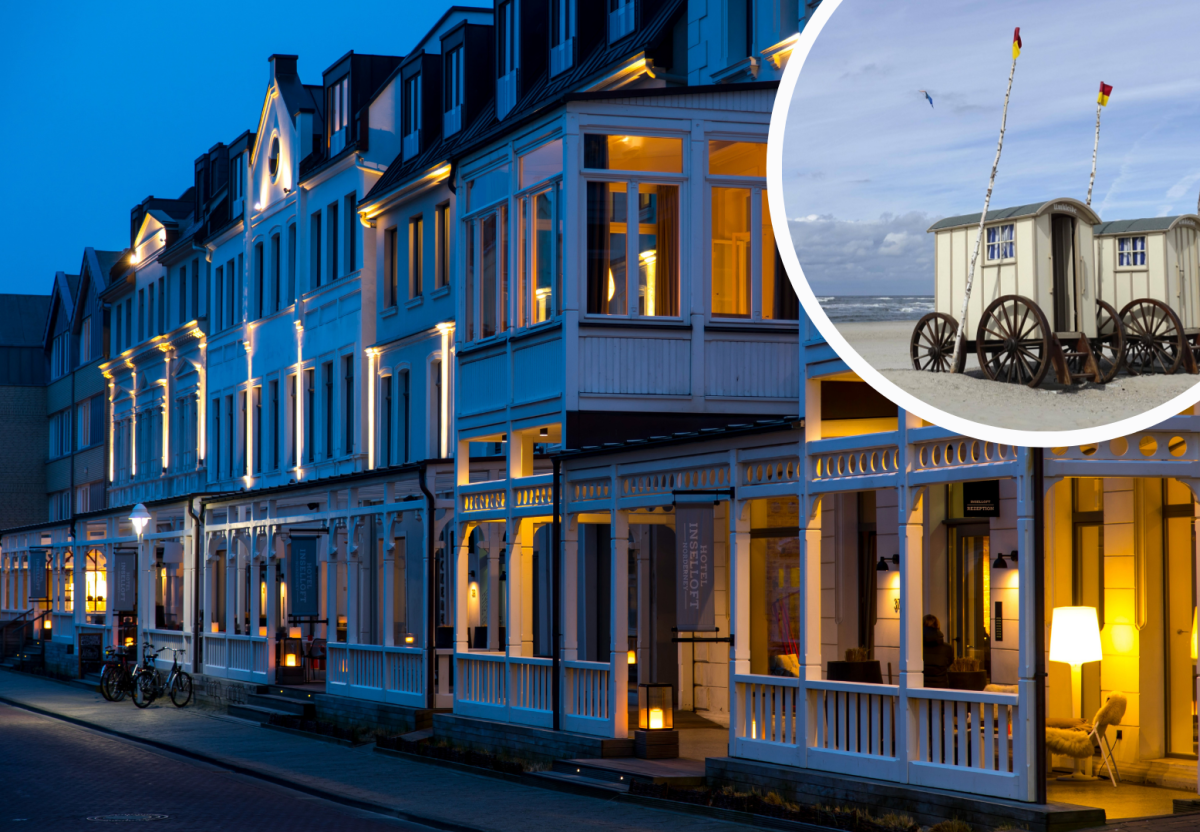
x=111, y=686
x=181, y=689
x=143, y=690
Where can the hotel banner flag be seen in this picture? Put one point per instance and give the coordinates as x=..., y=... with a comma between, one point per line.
x=695, y=609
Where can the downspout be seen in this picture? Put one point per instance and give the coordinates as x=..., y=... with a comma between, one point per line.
x=556, y=596
x=197, y=542
x=430, y=593
x=1039, y=619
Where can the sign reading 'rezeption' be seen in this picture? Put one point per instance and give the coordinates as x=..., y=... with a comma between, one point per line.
x=694, y=560
x=302, y=582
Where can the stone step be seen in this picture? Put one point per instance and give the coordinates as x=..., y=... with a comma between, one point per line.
x=300, y=694
x=284, y=704
x=578, y=784
x=256, y=713
x=623, y=771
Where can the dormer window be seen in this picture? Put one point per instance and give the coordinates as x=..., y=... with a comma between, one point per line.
x=411, y=116
x=453, y=104
x=235, y=177
x=339, y=112
x=506, y=57
x=562, y=35
x=620, y=19
x=273, y=158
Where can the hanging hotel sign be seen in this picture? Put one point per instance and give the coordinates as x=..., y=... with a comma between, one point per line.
x=981, y=498
x=124, y=594
x=37, y=576
x=302, y=578
x=694, y=567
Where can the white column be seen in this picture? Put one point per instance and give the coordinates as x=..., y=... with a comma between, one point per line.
x=739, y=610
x=387, y=616
x=513, y=585
x=489, y=534
x=353, y=564
x=911, y=536
x=1027, y=728
x=619, y=605
x=459, y=586
x=570, y=588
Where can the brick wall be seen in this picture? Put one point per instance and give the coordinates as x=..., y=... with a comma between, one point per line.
x=23, y=445
x=392, y=719
x=523, y=741
x=61, y=659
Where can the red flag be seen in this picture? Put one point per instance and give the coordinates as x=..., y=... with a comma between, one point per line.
x=1016, y=42
x=1105, y=92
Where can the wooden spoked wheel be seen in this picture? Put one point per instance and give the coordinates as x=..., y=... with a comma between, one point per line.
x=1154, y=339
x=1013, y=341
x=932, y=344
x=1108, y=346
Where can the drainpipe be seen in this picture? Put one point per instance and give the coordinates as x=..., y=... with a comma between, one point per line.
x=1039, y=618
x=556, y=596
x=197, y=576
x=430, y=594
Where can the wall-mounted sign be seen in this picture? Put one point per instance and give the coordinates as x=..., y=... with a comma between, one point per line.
x=303, y=594
x=124, y=591
x=981, y=499
x=695, y=611
x=37, y=576
x=91, y=647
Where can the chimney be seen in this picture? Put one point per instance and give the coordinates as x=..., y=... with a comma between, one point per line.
x=283, y=66
x=304, y=131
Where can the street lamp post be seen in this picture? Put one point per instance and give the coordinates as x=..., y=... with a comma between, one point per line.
x=139, y=517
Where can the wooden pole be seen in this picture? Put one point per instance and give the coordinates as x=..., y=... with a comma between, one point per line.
x=1095, y=148
x=962, y=318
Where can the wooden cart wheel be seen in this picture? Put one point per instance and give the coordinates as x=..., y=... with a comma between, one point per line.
x=1013, y=341
x=1109, y=344
x=1154, y=339
x=932, y=344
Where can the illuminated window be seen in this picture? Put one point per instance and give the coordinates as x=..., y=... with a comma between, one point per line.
x=640, y=153
x=416, y=256
x=273, y=158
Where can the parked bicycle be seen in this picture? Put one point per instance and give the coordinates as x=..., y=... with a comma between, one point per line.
x=151, y=684
x=116, y=680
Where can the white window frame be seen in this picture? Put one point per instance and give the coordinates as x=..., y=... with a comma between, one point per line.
x=1002, y=249
x=1134, y=257
x=523, y=229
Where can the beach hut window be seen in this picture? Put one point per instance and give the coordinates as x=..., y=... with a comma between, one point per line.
x=1000, y=245
x=1131, y=251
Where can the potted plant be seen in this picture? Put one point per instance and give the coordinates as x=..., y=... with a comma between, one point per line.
x=966, y=674
x=858, y=667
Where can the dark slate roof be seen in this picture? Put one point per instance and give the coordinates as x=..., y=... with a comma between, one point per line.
x=1142, y=225
x=993, y=215
x=545, y=93
x=23, y=320
x=73, y=285
x=106, y=260
x=685, y=436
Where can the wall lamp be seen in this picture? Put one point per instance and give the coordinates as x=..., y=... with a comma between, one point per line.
x=1001, y=563
x=882, y=566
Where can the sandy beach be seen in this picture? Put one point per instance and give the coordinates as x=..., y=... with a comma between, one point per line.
x=1051, y=406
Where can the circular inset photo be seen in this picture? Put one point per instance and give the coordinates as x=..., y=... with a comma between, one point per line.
x=994, y=208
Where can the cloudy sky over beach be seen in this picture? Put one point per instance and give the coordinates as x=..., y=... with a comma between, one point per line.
x=869, y=165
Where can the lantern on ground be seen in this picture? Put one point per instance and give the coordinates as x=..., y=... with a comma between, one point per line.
x=656, y=737
x=290, y=670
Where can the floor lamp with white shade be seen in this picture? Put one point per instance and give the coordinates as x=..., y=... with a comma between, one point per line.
x=1075, y=640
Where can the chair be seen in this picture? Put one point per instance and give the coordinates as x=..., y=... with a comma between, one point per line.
x=1073, y=737
x=1110, y=713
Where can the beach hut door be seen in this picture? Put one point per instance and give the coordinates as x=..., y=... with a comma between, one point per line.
x=1062, y=252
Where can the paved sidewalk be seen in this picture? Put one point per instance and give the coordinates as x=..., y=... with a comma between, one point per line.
x=436, y=795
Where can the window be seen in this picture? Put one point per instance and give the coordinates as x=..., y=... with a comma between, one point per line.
x=352, y=225
x=128, y=322
x=182, y=294
x=747, y=276
x=294, y=434
x=638, y=153
x=620, y=19
x=89, y=422
x=391, y=275
x=542, y=163
x=310, y=412
x=58, y=356
x=195, y=291
x=348, y=405
x=442, y=219
x=276, y=272
x=257, y=429
x=219, y=298
x=332, y=213
x=327, y=370
x=145, y=316
x=435, y=401
x=539, y=255
x=405, y=417
x=453, y=88
x=339, y=104
x=259, y=278
x=315, y=255
x=291, y=261
x=416, y=259
x=235, y=177
x=507, y=43
x=116, y=321
x=274, y=414
x=60, y=433
x=411, y=115
x=385, y=420
x=273, y=158
x=243, y=462
x=231, y=427
x=162, y=306
x=1000, y=245
x=1131, y=251
x=85, y=340
x=487, y=255
x=216, y=438
x=562, y=22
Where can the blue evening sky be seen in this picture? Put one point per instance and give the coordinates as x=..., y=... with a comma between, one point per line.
x=869, y=165
x=107, y=103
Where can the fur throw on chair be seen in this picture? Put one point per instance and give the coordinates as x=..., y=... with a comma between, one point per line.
x=1069, y=742
x=1111, y=712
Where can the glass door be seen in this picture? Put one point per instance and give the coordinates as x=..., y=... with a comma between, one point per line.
x=1179, y=538
x=970, y=592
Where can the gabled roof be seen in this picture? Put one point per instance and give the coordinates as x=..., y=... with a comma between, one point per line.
x=23, y=320
x=1033, y=209
x=1147, y=224
x=544, y=94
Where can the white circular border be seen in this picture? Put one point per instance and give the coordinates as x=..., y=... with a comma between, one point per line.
x=906, y=400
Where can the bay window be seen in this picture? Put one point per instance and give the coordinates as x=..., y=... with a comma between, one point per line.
x=633, y=270
x=748, y=279
x=487, y=255
x=539, y=240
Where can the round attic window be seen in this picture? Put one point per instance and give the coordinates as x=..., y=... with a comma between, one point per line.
x=273, y=158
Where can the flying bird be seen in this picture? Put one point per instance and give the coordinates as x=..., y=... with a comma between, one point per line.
x=928, y=97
